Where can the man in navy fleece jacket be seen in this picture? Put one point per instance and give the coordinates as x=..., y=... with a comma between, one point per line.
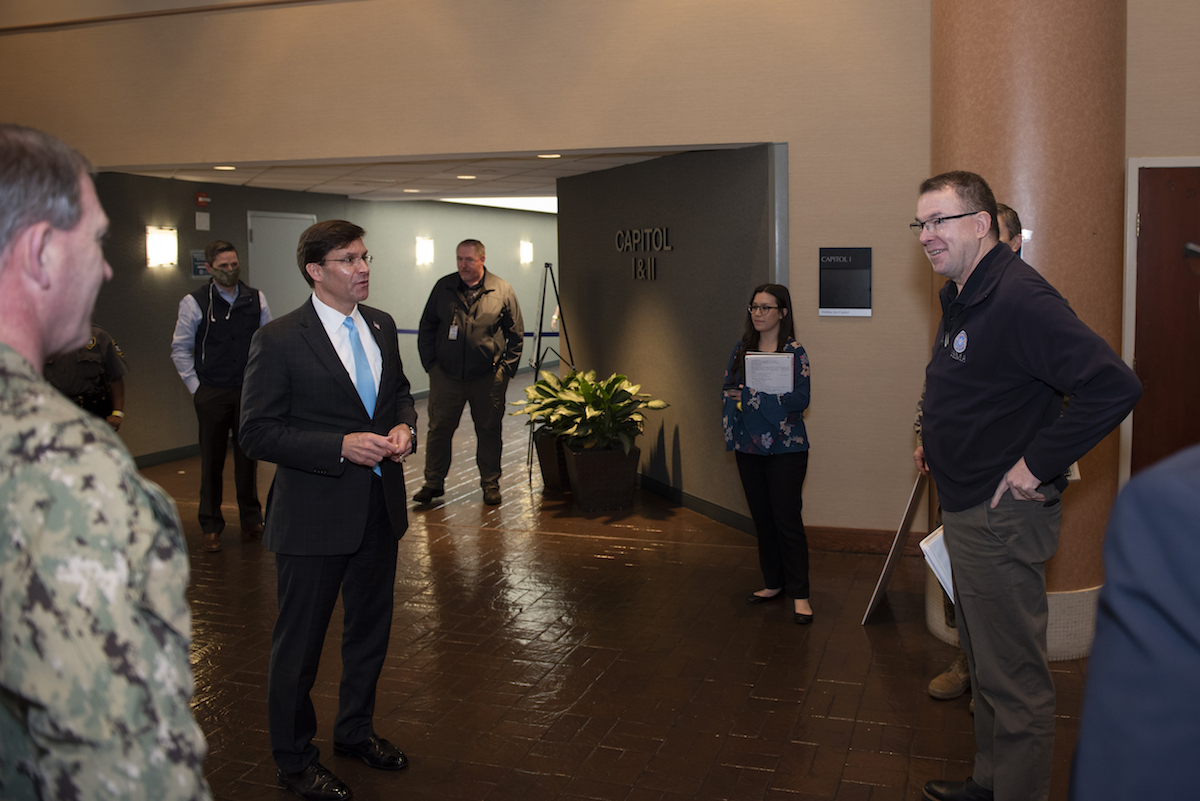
x=997, y=439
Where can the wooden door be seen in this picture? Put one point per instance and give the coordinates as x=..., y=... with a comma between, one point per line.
x=1166, y=352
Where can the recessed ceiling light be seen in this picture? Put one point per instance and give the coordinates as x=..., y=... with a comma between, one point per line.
x=549, y=155
x=224, y=168
x=412, y=191
x=466, y=177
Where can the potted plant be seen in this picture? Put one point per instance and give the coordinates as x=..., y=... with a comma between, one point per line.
x=543, y=403
x=599, y=421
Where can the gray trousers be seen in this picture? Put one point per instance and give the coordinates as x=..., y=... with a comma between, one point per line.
x=997, y=557
x=447, y=397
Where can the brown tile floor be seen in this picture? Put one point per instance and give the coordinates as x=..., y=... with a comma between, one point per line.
x=542, y=654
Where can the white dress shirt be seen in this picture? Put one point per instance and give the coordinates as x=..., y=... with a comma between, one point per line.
x=333, y=320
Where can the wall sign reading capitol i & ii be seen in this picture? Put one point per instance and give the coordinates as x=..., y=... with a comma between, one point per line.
x=644, y=240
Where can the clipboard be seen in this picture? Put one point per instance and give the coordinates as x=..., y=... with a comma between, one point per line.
x=934, y=548
x=771, y=373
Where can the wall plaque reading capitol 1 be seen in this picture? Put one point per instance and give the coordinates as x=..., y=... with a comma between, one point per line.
x=644, y=240
x=845, y=282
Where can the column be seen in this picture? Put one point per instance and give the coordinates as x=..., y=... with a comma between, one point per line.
x=1031, y=95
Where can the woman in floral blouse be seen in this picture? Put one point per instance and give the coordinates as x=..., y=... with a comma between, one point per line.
x=767, y=433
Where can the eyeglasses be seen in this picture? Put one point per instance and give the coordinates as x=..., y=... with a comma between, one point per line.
x=755, y=308
x=350, y=261
x=935, y=224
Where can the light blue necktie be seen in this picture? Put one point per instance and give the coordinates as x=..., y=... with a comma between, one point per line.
x=364, y=382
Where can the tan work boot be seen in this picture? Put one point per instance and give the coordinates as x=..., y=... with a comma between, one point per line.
x=954, y=682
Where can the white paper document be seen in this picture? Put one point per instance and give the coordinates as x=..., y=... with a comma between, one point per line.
x=934, y=548
x=772, y=373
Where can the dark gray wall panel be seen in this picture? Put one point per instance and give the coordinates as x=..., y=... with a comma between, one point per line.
x=674, y=333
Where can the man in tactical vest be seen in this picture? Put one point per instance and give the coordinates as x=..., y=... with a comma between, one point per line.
x=210, y=349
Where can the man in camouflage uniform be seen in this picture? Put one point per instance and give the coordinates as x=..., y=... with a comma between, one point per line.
x=94, y=624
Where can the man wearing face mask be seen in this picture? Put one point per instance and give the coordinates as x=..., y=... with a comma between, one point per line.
x=210, y=349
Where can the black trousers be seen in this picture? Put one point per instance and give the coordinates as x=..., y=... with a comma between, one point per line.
x=773, y=487
x=217, y=411
x=308, y=588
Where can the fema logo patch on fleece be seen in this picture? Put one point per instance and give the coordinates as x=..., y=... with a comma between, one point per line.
x=960, y=347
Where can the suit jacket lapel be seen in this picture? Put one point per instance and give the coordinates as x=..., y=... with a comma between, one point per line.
x=376, y=330
x=314, y=333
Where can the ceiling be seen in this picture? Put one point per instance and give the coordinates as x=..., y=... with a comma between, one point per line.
x=496, y=175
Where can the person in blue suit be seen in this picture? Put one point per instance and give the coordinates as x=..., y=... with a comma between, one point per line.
x=1140, y=728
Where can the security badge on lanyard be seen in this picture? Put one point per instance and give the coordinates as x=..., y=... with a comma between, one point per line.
x=453, y=331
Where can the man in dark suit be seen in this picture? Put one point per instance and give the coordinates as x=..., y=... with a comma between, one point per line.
x=325, y=398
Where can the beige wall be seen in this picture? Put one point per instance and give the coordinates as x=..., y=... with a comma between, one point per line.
x=1163, y=83
x=845, y=85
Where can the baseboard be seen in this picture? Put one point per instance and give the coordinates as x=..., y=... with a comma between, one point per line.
x=859, y=540
x=698, y=505
x=820, y=538
x=526, y=371
x=160, y=457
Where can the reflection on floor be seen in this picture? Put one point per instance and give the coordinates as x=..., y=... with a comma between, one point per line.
x=538, y=653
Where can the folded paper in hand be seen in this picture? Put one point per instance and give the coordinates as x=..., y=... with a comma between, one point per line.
x=772, y=373
x=934, y=548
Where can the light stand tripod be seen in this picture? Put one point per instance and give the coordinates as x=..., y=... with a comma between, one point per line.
x=536, y=363
x=540, y=353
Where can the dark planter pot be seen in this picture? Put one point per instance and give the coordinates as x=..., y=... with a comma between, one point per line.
x=552, y=461
x=603, y=480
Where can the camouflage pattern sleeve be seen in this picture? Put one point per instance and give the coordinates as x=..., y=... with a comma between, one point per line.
x=95, y=678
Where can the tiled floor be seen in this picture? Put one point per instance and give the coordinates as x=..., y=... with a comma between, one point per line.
x=538, y=653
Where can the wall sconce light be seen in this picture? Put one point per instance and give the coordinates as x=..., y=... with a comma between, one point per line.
x=162, y=247
x=526, y=252
x=424, y=251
